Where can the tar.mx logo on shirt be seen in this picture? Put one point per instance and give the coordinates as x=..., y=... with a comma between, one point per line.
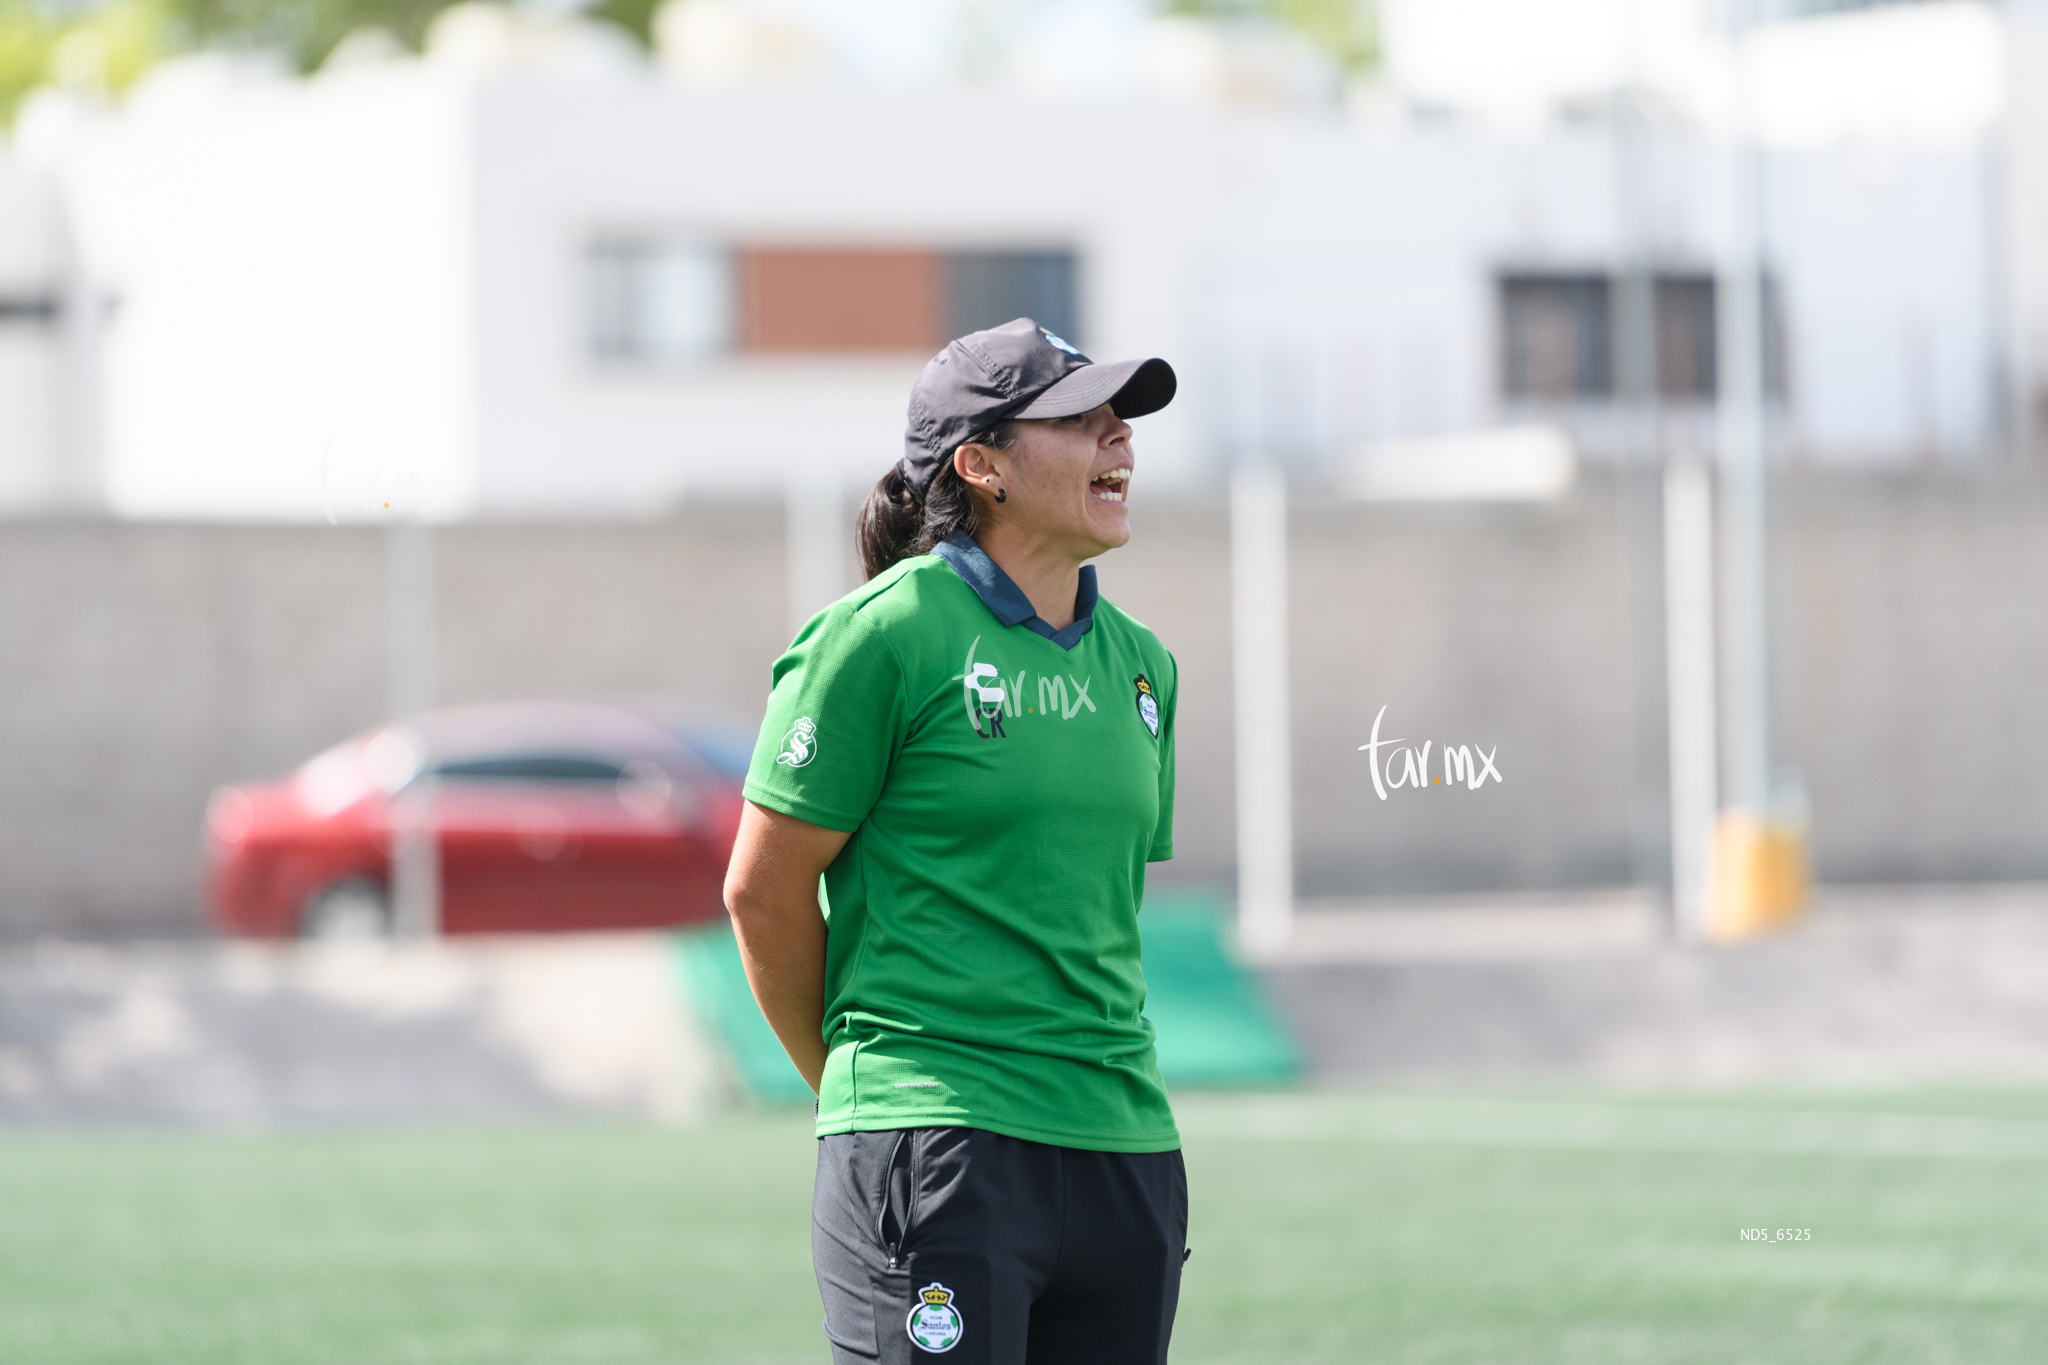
x=1406, y=765
x=991, y=695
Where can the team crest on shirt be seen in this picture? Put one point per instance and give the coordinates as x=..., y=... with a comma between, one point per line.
x=935, y=1324
x=800, y=745
x=1148, y=705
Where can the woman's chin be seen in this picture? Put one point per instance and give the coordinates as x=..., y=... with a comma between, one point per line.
x=1111, y=525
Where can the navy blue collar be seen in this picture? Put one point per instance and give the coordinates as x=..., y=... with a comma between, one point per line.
x=1001, y=595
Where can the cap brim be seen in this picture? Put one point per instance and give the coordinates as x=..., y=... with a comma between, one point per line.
x=1132, y=387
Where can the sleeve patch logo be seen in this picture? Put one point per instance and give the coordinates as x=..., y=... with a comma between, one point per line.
x=800, y=745
x=1148, y=705
x=935, y=1324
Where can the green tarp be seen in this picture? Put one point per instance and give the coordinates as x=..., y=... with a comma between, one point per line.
x=1216, y=1026
x=716, y=987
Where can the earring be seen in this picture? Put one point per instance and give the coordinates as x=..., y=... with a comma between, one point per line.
x=1002, y=495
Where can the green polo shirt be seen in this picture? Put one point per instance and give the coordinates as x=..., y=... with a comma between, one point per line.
x=1005, y=786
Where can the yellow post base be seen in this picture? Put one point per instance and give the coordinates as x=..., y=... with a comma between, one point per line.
x=1760, y=878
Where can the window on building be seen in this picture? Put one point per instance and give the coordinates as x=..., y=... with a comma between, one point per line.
x=1686, y=358
x=824, y=299
x=28, y=308
x=532, y=768
x=988, y=288
x=659, y=300
x=1554, y=335
x=1557, y=335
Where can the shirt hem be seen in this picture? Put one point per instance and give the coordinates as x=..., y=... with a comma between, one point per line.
x=1085, y=1142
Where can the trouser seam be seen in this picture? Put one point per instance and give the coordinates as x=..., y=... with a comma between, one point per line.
x=1060, y=1250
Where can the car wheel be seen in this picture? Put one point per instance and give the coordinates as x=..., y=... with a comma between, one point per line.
x=353, y=908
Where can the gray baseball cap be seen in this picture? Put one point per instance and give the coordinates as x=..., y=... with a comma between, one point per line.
x=1017, y=370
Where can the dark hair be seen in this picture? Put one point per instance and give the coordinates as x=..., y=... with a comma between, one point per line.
x=895, y=523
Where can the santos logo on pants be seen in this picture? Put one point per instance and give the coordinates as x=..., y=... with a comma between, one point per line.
x=935, y=1324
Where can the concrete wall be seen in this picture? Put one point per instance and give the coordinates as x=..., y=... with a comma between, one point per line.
x=1915, y=693
x=141, y=665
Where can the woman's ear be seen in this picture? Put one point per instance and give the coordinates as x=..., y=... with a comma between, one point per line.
x=976, y=466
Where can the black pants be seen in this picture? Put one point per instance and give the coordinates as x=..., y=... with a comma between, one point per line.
x=989, y=1250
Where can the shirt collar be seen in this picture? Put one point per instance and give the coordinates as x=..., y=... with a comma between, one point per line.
x=1001, y=595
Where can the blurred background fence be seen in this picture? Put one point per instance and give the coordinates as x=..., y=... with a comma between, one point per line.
x=141, y=665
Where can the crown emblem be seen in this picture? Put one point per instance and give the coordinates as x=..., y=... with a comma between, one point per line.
x=938, y=1296
x=1148, y=704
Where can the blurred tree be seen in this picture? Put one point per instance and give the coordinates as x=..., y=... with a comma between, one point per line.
x=634, y=16
x=306, y=29
x=107, y=44
x=101, y=47
x=1346, y=30
x=26, y=36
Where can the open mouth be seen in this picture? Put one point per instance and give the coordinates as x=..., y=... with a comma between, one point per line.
x=1110, y=487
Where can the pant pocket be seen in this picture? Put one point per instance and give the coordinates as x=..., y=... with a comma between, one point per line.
x=889, y=1300
x=896, y=1216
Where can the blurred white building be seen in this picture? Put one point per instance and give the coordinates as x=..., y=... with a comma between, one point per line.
x=534, y=273
x=44, y=361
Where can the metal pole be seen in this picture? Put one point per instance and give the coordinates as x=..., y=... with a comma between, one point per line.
x=2017, y=198
x=819, y=546
x=1258, y=628
x=1689, y=653
x=1635, y=378
x=1742, y=434
x=409, y=613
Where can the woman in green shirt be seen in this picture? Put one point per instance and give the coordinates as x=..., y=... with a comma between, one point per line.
x=975, y=752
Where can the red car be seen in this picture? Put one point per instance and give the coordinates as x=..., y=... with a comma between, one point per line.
x=548, y=816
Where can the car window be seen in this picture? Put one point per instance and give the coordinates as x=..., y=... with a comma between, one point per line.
x=531, y=768
x=726, y=752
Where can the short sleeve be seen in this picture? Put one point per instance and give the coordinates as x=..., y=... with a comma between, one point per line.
x=836, y=718
x=1162, y=834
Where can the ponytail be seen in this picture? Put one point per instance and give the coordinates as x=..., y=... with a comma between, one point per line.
x=889, y=523
x=895, y=523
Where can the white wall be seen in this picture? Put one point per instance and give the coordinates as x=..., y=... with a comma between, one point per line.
x=556, y=167
x=1315, y=280
x=1888, y=262
x=288, y=264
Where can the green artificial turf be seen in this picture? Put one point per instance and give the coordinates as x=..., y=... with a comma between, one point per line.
x=1440, y=1228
